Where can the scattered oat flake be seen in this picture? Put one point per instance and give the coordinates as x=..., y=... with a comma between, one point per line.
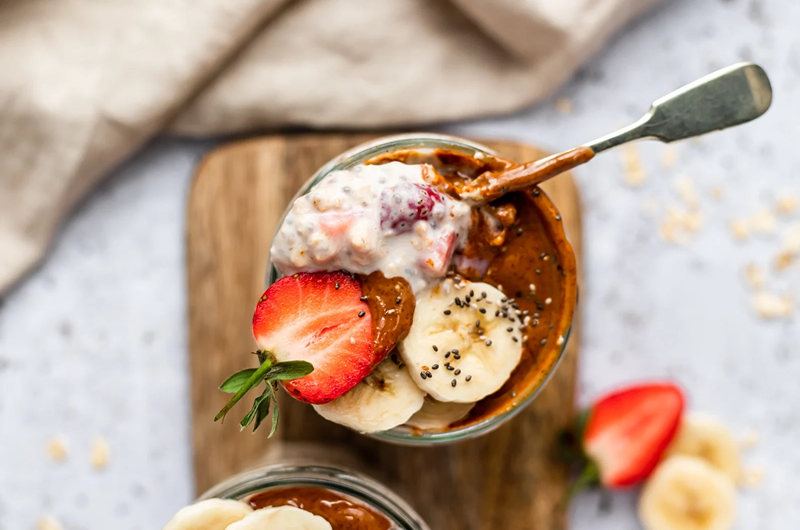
x=749, y=439
x=678, y=224
x=716, y=193
x=633, y=169
x=100, y=453
x=791, y=240
x=783, y=261
x=739, y=229
x=754, y=276
x=57, y=448
x=786, y=204
x=751, y=477
x=48, y=523
x=686, y=191
x=762, y=222
x=771, y=306
x=669, y=156
x=564, y=106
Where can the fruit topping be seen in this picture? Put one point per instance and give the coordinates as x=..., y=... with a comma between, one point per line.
x=315, y=331
x=319, y=318
x=627, y=431
x=404, y=204
x=473, y=346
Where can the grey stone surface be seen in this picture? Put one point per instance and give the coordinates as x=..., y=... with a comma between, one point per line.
x=93, y=343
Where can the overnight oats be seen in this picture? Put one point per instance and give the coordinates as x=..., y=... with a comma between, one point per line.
x=401, y=309
x=298, y=498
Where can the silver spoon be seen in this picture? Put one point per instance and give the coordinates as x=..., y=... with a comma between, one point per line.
x=728, y=97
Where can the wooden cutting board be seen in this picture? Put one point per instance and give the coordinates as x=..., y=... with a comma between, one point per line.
x=508, y=479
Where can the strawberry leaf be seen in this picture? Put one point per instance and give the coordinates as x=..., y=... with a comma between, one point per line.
x=253, y=380
x=288, y=370
x=274, y=411
x=236, y=381
x=248, y=419
x=259, y=411
x=270, y=372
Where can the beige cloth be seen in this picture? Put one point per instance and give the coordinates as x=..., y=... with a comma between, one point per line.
x=84, y=83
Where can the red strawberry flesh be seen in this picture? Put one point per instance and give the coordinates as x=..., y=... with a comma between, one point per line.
x=404, y=204
x=314, y=317
x=628, y=430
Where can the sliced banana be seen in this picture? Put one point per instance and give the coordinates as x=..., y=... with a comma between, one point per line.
x=281, y=518
x=385, y=398
x=438, y=414
x=211, y=514
x=686, y=493
x=454, y=351
x=706, y=437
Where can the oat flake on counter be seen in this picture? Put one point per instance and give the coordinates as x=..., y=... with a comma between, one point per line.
x=57, y=448
x=48, y=523
x=754, y=276
x=633, y=170
x=100, y=453
x=786, y=204
x=771, y=306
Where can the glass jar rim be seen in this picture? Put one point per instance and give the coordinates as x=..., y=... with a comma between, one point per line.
x=337, y=479
x=387, y=144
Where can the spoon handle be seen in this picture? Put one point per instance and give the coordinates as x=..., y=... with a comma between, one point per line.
x=727, y=97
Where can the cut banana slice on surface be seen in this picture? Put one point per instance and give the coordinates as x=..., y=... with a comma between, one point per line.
x=686, y=493
x=438, y=414
x=461, y=347
x=385, y=398
x=281, y=518
x=211, y=514
x=706, y=437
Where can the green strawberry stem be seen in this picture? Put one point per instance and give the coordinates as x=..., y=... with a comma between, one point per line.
x=254, y=379
x=589, y=477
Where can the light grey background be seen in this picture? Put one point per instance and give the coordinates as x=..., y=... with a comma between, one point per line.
x=94, y=342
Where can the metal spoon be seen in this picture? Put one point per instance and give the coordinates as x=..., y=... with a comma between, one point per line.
x=731, y=96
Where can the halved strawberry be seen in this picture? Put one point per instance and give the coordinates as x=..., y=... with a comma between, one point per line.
x=320, y=318
x=627, y=431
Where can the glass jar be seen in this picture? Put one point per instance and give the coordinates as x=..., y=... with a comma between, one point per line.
x=347, y=483
x=427, y=141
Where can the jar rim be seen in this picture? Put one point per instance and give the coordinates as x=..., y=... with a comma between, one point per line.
x=337, y=479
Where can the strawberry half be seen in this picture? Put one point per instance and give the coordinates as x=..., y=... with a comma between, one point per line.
x=319, y=318
x=627, y=431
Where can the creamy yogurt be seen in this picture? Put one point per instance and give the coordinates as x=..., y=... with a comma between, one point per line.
x=371, y=218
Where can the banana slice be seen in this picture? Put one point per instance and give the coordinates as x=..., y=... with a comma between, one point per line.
x=438, y=414
x=281, y=518
x=211, y=514
x=385, y=398
x=686, y=493
x=706, y=437
x=456, y=352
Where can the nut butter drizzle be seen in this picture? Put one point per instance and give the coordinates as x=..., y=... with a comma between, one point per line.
x=391, y=303
x=340, y=511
